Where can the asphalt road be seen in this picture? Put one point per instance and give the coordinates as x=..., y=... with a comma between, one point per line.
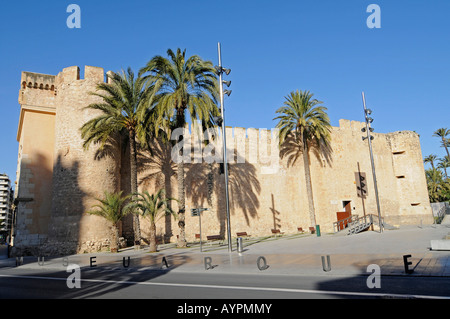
x=19, y=283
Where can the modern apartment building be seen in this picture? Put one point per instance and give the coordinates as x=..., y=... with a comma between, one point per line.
x=6, y=201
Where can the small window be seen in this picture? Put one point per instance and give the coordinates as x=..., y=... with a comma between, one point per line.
x=398, y=152
x=400, y=176
x=415, y=204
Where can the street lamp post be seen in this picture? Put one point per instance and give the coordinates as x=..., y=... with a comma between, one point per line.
x=369, y=137
x=220, y=71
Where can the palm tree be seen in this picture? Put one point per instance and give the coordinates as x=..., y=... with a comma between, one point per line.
x=430, y=159
x=182, y=86
x=435, y=184
x=112, y=208
x=443, y=133
x=125, y=112
x=443, y=164
x=304, y=121
x=153, y=207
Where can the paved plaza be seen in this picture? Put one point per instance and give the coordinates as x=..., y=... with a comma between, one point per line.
x=302, y=254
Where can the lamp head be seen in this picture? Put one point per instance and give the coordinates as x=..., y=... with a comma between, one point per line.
x=227, y=83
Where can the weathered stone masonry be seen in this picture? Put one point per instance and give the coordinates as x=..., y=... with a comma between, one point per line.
x=57, y=180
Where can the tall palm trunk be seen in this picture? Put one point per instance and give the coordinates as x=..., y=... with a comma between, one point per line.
x=153, y=245
x=309, y=191
x=114, y=245
x=444, y=142
x=181, y=204
x=134, y=188
x=181, y=185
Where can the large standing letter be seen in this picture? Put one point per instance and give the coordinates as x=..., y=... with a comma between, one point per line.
x=74, y=280
x=373, y=281
x=407, y=264
x=264, y=265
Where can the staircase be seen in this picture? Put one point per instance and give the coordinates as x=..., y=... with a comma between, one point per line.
x=443, y=216
x=354, y=224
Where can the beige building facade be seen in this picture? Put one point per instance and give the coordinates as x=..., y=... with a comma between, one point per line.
x=58, y=180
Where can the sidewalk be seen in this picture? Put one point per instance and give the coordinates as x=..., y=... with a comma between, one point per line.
x=293, y=255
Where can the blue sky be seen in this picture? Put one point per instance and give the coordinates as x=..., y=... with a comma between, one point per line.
x=272, y=47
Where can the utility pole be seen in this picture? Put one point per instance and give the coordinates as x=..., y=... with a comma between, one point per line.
x=220, y=70
x=369, y=137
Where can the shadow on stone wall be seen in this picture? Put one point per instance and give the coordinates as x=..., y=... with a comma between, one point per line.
x=67, y=210
x=33, y=205
x=205, y=181
x=158, y=168
x=292, y=149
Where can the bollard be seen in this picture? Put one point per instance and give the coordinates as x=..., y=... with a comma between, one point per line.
x=240, y=246
x=326, y=266
x=318, y=230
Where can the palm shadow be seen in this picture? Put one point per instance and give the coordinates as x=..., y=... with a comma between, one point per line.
x=157, y=168
x=206, y=186
x=292, y=149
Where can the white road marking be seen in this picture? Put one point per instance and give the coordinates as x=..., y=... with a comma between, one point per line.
x=288, y=290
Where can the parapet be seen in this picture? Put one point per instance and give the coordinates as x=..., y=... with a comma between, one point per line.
x=37, y=81
x=91, y=73
x=49, y=82
x=351, y=125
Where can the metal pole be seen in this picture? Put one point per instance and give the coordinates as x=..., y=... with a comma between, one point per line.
x=373, y=164
x=224, y=150
x=200, y=224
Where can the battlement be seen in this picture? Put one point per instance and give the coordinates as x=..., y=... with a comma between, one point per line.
x=37, y=81
x=31, y=80
x=91, y=73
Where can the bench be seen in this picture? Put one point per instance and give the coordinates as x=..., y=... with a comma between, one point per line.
x=212, y=238
x=243, y=234
x=276, y=232
x=312, y=230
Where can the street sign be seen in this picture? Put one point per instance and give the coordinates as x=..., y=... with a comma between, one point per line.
x=198, y=212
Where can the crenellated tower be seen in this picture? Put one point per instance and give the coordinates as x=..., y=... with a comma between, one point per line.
x=58, y=179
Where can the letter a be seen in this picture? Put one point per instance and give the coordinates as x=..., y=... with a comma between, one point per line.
x=74, y=20
x=74, y=280
x=374, y=20
x=373, y=281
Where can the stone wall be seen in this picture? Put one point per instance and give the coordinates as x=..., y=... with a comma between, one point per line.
x=273, y=195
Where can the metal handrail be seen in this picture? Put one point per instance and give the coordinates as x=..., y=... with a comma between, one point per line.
x=346, y=221
x=441, y=214
x=355, y=223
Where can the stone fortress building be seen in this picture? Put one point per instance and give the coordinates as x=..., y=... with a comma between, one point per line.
x=58, y=180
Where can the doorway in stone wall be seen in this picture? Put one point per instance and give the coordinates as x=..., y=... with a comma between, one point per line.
x=344, y=215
